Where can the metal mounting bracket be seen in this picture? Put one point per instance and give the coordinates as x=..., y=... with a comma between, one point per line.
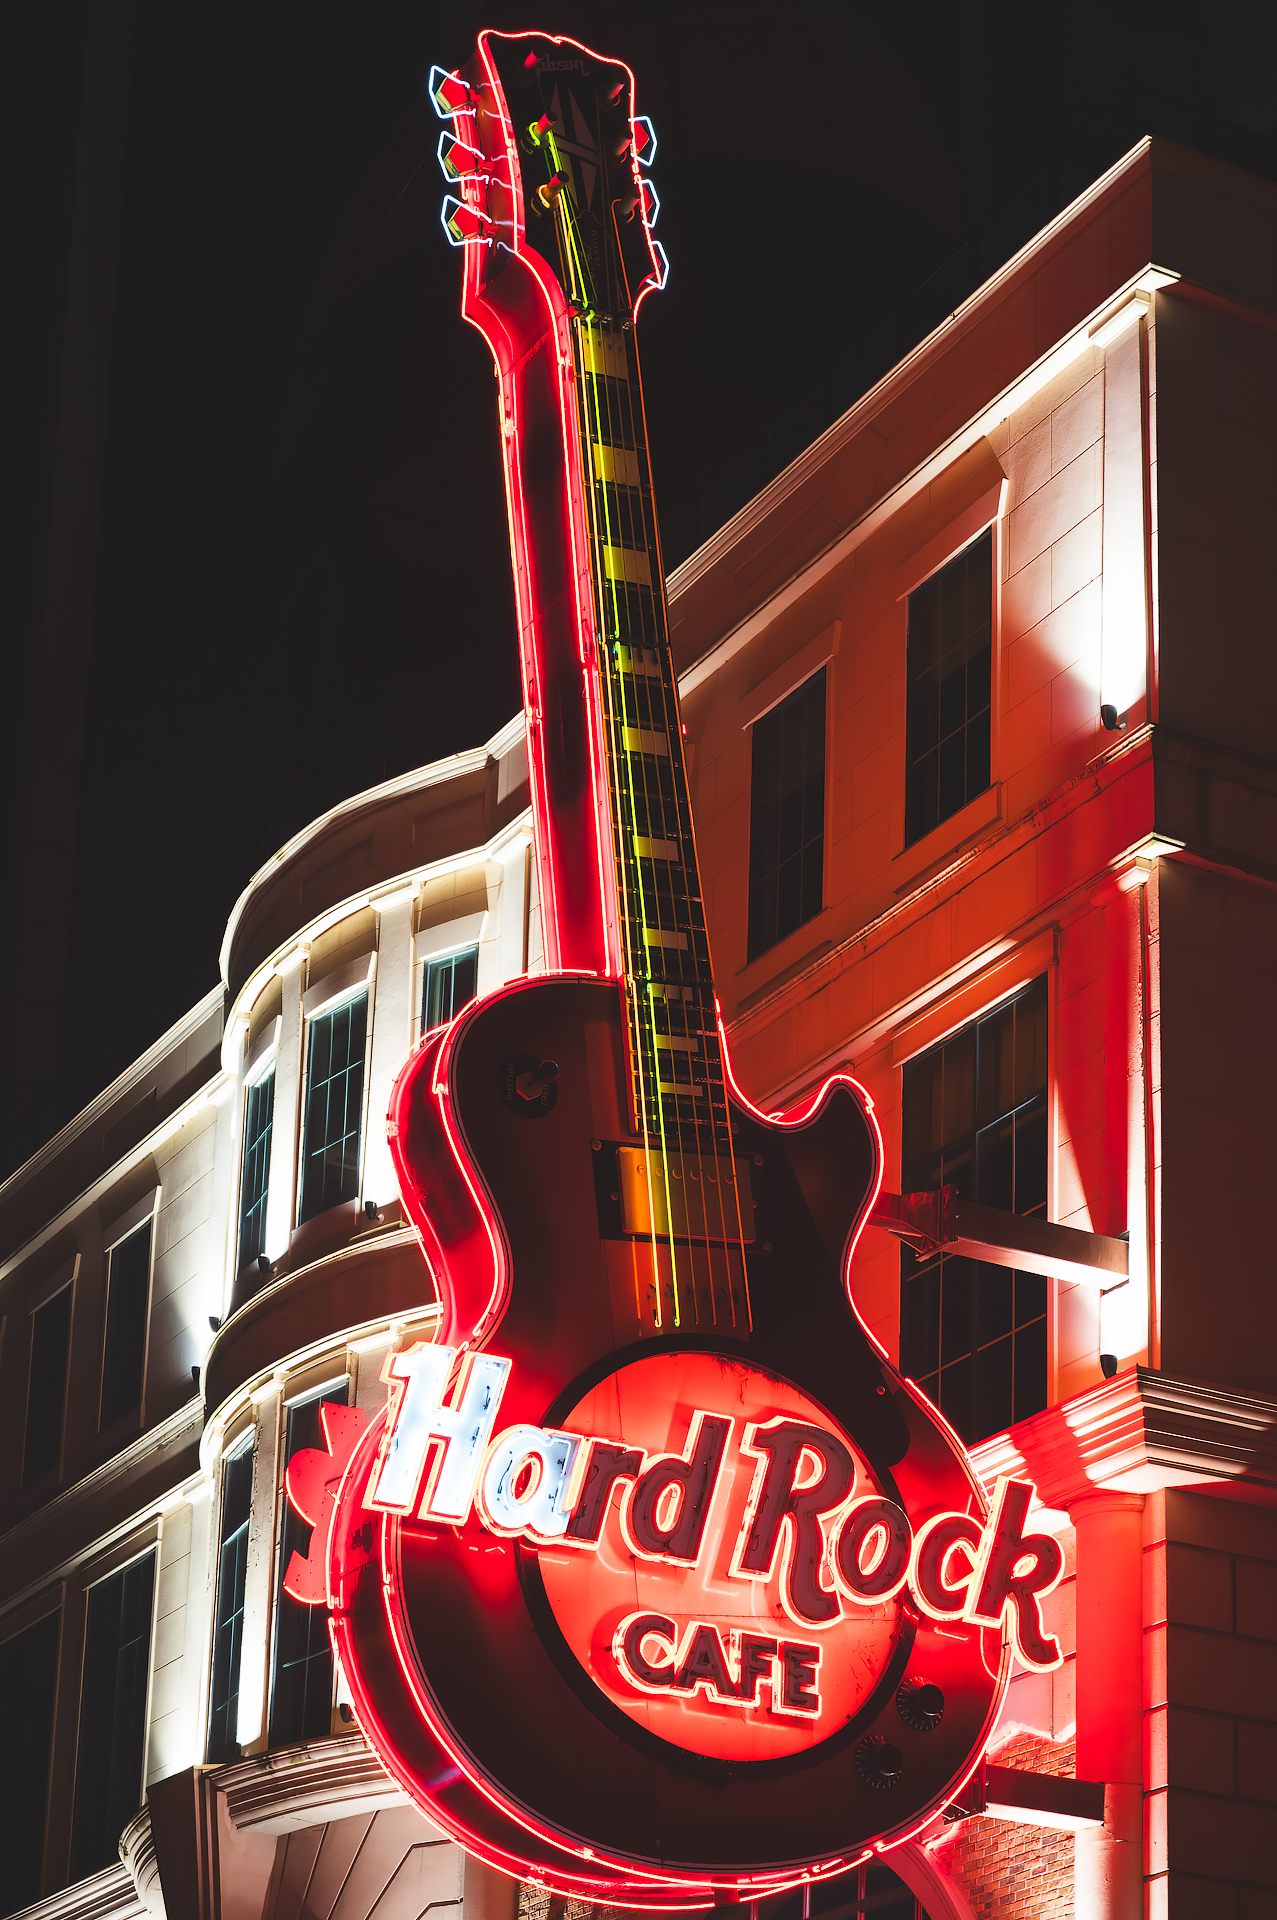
x=939, y=1222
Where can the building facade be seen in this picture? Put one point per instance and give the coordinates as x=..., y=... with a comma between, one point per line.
x=980, y=703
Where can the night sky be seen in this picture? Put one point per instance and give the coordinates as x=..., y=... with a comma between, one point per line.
x=299, y=584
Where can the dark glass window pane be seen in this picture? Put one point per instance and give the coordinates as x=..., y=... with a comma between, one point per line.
x=108, y=1768
x=450, y=984
x=259, y=1120
x=949, y=695
x=787, y=816
x=974, y=1335
x=995, y=1399
x=47, y=1386
x=301, y=1696
x=334, y=1105
x=28, y=1684
x=128, y=1287
x=228, y=1619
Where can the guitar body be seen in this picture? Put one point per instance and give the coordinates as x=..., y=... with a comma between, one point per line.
x=504, y=1718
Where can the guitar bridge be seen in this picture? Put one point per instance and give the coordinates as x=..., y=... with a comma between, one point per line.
x=687, y=1196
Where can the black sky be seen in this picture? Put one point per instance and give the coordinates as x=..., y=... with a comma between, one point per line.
x=299, y=584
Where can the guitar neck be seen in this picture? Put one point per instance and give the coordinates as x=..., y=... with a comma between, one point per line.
x=676, y=1067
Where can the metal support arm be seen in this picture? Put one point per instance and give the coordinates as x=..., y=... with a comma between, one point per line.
x=1031, y=1799
x=939, y=1222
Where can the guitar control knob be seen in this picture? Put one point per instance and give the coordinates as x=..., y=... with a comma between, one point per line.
x=878, y=1763
x=530, y=1086
x=920, y=1705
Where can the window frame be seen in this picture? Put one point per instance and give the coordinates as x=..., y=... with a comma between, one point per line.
x=244, y=1443
x=815, y=667
x=965, y=1007
x=149, y=1219
x=260, y=1069
x=63, y=1277
x=328, y=996
x=298, y=1392
x=453, y=954
x=969, y=537
x=118, y=1563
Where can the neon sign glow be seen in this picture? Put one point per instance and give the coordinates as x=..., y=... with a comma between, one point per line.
x=801, y=1533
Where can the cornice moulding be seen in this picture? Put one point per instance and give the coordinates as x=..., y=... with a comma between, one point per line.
x=109, y=1895
x=189, y=1023
x=1141, y=1432
x=181, y=1429
x=304, y=1786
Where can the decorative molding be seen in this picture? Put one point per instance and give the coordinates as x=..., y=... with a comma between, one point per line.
x=137, y=1851
x=830, y=443
x=305, y=1785
x=210, y=1093
x=343, y=983
x=168, y=1435
x=109, y=1895
x=438, y=773
x=189, y=1024
x=1139, y=1432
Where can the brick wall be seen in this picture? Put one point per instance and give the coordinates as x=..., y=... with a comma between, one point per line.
x=1008, y=1871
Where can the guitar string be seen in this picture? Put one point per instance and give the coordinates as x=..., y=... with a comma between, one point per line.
x=692, y=899
x=680, y=995
x=673, y=736
x=714, y=1089
x=574, y=268
x=642, y=1014
x=710, y=1042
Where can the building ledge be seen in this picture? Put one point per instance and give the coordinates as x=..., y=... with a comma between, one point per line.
x=1138, y=1433
x=305, y=1785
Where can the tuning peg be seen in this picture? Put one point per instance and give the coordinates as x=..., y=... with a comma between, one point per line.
x=457, y=159
x=449, y=92
x=549, y=193
x=610, y=91
x=654, y=283
x=462, y=223
x=643, y=140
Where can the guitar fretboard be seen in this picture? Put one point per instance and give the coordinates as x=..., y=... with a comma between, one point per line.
x=676, y=1064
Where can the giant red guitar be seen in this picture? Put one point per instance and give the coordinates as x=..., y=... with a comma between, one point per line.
x=655, y=1582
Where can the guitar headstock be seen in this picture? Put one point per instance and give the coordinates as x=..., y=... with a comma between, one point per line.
x=547, y=161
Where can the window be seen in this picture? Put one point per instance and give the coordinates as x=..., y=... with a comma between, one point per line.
x=108, y=1770
x=228, y=1616
x=334, y=1106
x=28, y=1684
x=259, y=1117
x=47, y=1386
x=975, y=1116
x=449, y=985
x=302, y=1694
x=787, y=816
x=128, y=1289
x=949, y=671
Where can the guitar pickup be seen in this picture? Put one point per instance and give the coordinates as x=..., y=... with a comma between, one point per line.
x=687, y=1196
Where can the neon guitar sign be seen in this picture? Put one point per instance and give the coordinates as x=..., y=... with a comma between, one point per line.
x=654, y=1583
